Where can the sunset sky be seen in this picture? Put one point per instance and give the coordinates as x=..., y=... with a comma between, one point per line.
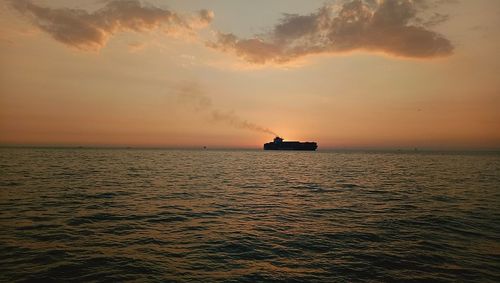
x=346, y=74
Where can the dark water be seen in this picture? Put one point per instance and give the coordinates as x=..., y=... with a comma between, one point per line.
x=167, y=215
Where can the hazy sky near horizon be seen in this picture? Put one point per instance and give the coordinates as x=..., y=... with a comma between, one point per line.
x=373, y=73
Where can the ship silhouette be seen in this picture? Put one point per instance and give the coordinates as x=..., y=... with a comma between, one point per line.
x=279, y=144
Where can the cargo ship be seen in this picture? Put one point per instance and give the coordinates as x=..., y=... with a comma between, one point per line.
x=279, y=144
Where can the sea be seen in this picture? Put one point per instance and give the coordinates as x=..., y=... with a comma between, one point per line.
x=164, y=215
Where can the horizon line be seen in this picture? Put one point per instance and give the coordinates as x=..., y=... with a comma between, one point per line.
x=201, y=147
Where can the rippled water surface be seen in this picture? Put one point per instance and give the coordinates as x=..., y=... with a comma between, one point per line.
x=180, y=215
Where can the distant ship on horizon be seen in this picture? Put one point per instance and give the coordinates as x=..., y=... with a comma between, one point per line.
x=279, y=144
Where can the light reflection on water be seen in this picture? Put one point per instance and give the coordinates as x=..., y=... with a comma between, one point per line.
x=111, y=214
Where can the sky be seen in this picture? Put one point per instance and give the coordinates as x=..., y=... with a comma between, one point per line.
x=394, y=74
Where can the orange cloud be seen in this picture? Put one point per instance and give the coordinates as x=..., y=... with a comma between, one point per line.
x=90, y=31
x=388, y=26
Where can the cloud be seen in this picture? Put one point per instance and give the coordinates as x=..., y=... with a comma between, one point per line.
x=90, y=31
x=436, y=19
x=191, y=94
x=388, y=26
x=136, y=46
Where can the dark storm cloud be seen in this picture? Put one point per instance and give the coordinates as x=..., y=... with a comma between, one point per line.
x=389, y=26
x=90, y=31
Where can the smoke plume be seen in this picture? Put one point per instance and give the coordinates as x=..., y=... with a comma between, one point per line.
x=191, y=94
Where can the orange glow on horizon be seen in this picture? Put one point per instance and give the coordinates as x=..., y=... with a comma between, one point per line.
x=126, y=92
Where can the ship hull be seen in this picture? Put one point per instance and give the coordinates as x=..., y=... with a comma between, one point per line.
x=306, y=146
